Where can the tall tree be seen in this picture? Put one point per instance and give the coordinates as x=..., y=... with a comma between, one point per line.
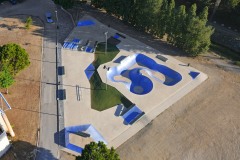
x=98, y=151
x=171, y=20
x=192, y=11
x=14, y=57
x=127, y=10
x=197, y=36
x=180, y=26
x=197, y=39
x=6, y=79
x=162, y=19
x=204, y=14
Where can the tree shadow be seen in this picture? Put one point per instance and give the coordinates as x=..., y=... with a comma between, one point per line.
x=129, y=30
x=22, y=150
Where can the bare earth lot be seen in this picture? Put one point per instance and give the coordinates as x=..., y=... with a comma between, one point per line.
x=24, y=95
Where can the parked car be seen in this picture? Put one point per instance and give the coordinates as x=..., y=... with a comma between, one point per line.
x=49, y=17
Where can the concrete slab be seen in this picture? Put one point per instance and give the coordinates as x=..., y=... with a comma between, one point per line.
x=111, y=127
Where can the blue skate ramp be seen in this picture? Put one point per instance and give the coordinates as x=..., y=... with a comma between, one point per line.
x=193, y=74
x=89, y=71
x=90, y=68
x=132, y=115
x=89, y=74
x=85, y=23
x=87, y=128
x=172, y=76
x=140, y=84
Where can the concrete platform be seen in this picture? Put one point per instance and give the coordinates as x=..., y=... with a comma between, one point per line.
x=111, y=127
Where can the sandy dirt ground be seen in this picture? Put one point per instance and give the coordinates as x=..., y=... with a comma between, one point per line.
x=24, y=95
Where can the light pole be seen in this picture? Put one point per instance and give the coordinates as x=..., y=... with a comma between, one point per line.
x=56, y=19
x=106, y=81
x=57, y=87
x=106, y=41
x=57, y=53
x=107, y=68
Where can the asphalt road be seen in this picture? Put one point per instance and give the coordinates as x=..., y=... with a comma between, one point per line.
x=49, y=138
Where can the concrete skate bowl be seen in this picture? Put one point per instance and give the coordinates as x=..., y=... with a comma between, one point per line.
x=140, y=84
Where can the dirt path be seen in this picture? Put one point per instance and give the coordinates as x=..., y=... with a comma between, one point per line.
x=24, y=94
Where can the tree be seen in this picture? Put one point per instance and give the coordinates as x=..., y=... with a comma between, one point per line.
x=171, y=20
x=162, y=18
x=197, y=35
x=180, y=26
x=98, y=151
x=13, y=57
x=204, y=14
x=6, y=79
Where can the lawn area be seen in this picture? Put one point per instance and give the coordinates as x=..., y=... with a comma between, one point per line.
x=102, y=96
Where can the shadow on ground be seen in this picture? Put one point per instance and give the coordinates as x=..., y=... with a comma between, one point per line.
x=22, y=150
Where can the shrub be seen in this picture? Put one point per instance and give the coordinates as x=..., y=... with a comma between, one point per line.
x=28, y=23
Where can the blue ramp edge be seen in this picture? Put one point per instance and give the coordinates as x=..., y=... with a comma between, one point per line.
x=76, y=40
x=94, y=134
x=172, y=76
x=139, y=81
x=69, y=145
x=116, y=36
x=90, y=68
x=132, y=114
x=88, y=128
x=193, y=74
x=85, y=23
x=89, y=74
x=89, y=49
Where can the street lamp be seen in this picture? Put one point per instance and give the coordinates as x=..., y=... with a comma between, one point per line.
x=106, y=41
x=107, y=68
x=56, y=19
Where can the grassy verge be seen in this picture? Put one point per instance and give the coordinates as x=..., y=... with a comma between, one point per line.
x=225, y=52
x=102, y=96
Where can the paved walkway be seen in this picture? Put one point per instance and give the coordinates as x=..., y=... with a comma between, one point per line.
x=48, y=147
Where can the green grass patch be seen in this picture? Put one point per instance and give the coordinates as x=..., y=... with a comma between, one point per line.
x=102, y=96
x=225, y=52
